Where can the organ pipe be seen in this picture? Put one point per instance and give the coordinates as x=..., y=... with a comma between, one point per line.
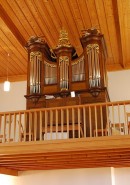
x=35, y=72
x=94, y=65
x=64, y=72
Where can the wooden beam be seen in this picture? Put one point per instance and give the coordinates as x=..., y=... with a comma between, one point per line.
x=15, y=78
x=7, y=171
x=119, y=22
x=96, y=144
x=12, y=26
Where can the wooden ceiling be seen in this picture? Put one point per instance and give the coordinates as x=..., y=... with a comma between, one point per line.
x=21, y=19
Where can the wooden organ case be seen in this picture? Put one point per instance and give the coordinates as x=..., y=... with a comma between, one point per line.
x=54, y=73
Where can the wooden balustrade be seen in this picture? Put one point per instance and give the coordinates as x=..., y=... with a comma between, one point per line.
x=69, y=122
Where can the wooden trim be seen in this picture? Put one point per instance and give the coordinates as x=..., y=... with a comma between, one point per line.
x=8, y=171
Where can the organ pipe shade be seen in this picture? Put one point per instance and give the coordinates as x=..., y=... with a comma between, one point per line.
x=78, y=70
x=35, y=72
x=93, y=65
x=50, y=73
x=64, y=72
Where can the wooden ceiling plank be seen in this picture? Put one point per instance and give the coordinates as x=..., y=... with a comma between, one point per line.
x=104, y=29
x=76, y=14
x=117, y=34
x=7, y=171
x=9, y=45
x=46, y=23
x=16, y=59
x=11, y=26
x=83, y=10
x=113, y=31
x=92, y=13
x=53, y=17
x=69, y=22
x=26, y=18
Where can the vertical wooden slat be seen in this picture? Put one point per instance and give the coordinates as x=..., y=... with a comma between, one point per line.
x=40, y=132
x=119, y=121
x=113, y=120
x=95, y=114
x=4, y=137
x=30, y=125
x=35, y=125
x=24, y=126
x=14, y=135
x=126, y=123
x=73, y=127
x=90, y=121
x=46, y=119
x=19, y=127
x=51, y=118
x=56, y=113
x=67, y=114
x=108, y=120
x=79, y=123
x=9, y=128
x=101, y=120
x=84, y=121
x=62, y=123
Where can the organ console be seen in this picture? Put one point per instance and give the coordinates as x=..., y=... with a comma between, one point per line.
x=54, y=73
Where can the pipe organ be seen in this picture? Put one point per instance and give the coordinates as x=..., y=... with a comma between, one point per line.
x=54, y=73
x=59, y=71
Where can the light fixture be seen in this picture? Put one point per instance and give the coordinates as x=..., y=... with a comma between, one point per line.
x=72, y=93
x=7, y=83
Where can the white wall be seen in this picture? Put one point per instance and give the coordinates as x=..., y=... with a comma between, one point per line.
x=97, y=176
x=122, y=176
x=119, y=89
x=14, y=99
x=119, y=85
x=68, y=177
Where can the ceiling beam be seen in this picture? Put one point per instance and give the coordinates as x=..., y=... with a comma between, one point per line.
x=6, y=171
x=14, y=78
x=118, y=16
x=12, y=26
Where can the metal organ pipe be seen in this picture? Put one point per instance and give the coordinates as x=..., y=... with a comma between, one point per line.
x=93, y=65
x=64, y=74
x=35, y=65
